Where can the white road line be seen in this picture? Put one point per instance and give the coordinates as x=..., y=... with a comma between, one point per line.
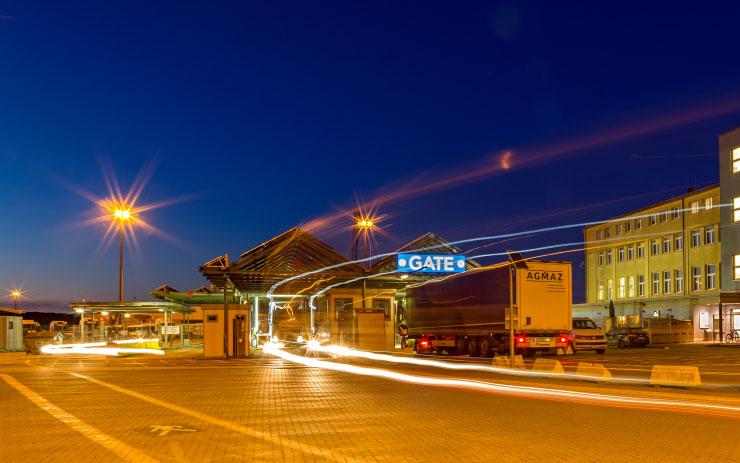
x=123, y=451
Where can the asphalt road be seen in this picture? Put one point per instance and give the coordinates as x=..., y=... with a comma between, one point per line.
x=173, y=410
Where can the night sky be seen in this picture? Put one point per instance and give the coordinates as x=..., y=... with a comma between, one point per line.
x=262, y=116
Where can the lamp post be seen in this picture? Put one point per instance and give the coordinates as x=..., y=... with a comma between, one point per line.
x=122, y=216
x=16, y=295
x=365, y=225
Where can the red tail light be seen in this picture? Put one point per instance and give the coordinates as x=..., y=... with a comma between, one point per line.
x=562, y=339
x=424, y=343
x=521, y=340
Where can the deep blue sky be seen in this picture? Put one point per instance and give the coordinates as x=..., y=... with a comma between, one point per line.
x=277, y=112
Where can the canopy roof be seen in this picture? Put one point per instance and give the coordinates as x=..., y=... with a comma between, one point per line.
x=5, y=311
x=132, y=307
x=428, y=243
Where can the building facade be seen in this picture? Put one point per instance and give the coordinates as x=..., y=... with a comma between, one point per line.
x=678, y=259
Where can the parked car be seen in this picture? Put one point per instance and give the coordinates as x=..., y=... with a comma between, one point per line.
x=624, y=337
x=588, y=336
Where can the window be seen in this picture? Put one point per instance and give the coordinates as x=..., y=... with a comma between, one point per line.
x=678, y=239
x=736, y=265
x=607, y=232
x=679, y=279
x=666, y=244
x=631, y=252
x=342, y=309
x=696, y=278
x=708, y=203
x=211, y=318
x=631, y=287
x=664, y=217
x=640, y=285
x=609, y=291
x=601, y=258
x=638, y=224
x=736, y=209
x=667, y=282
x=695, y=238
x=676, y=212
x=711, y=278
x=619, y=229
x=640, y=250
x=736, y=160
x=709, y=235
x=656, y=283
x=628, y=226
x=385, y=305
x=656, y=247
x=621, y=288
x=620, y=254
x=609, y=257
x=694, y=207
x=601, y=290
x=653, y=219
x=599, y=235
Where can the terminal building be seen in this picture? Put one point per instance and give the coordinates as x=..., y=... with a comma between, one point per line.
x=678, y=260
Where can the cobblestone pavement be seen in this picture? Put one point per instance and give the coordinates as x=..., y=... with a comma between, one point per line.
x=270, y=410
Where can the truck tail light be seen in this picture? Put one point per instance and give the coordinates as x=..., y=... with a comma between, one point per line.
x=521, y=339
x=424, y=343
x=562, y=339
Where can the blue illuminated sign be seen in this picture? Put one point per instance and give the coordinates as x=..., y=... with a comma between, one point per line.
x=431, y=263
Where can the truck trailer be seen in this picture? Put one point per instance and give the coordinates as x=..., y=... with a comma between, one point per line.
x=469, y=313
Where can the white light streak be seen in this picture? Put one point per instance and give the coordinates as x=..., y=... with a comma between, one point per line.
x=525, y=391
x=99, y=348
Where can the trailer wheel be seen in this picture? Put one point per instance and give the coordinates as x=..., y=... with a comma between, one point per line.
x=485, y=347
x=473, y=347
x=461, y=346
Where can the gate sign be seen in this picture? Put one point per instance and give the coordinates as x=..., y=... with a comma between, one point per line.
x=431, y=263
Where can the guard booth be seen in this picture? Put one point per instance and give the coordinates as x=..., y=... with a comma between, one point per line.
x=236, y=342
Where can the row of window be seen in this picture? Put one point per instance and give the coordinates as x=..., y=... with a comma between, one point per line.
x=667, y=242
x=672, y=283
x=665, y=216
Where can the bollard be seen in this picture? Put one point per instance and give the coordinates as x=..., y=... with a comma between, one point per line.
x=675, y=376
x=548, y=366
x=594, y=372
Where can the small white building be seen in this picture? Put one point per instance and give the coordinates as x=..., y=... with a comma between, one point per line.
x=11, y=329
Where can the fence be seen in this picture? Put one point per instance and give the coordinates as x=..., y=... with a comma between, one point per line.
x=669, y=330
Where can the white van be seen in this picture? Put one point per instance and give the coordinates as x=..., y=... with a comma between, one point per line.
x=588, y=336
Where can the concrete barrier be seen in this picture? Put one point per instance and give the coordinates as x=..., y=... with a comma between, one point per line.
x=675, y=376
x=504, y=361
x=548, y=366
x=594, y=371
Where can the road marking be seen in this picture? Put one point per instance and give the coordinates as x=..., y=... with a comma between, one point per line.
x=327, y=454
x=124, y=451
x=164, y=430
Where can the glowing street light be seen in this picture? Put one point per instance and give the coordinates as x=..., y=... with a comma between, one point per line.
x=122, y=215
x=16, y=294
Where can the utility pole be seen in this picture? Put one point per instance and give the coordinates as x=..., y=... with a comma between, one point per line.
x=120, y=269
x=226, y=306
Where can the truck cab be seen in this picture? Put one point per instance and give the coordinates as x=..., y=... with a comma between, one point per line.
x=588, y=336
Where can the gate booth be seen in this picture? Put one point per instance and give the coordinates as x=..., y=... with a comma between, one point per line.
x=237, y=339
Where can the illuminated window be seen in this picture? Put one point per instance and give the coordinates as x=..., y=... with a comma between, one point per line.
x=343, y=309
x=609, y=291
x=695, y=207
x=621, y=320
x=656, y=283
x=667, y=282
x=736, y=262
x=638, y=224
x=640, y=285
x=621, y=287
x=619, y=229
x=695, y=238
x=631, y=287
x=653, y=219
x=696, y=278
x=620, y=254
x=601, y=258
x=664, y=216
x=676, y=212
x=601, y=290
x=631, y=252
x=703, y=320
x=736, y=160
x=711, y=276
x=656, y=247
x=666, y=244
x=640, y=250
x=736, y=209
x=679, y=280
x=708, y=203
x=709, y=235
x=678, y=238
x=609, y=257
x=628, y=226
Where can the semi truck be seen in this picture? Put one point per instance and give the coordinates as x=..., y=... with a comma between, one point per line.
x=468, y=313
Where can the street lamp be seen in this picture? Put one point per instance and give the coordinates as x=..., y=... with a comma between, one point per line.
x=365, y=225
x=122, y=215
x=16, y=295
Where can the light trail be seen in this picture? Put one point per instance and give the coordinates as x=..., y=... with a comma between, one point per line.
x=97, y=348
x=515, y=390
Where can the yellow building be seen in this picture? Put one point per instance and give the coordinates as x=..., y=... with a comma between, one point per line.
x=658, y=262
